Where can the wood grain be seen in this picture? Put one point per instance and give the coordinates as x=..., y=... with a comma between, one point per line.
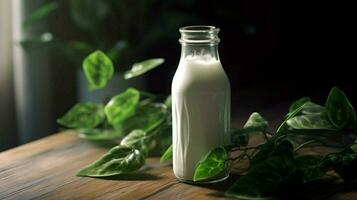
x=45, y=169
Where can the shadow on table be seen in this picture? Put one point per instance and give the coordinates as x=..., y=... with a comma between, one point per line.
x=324, y=188
x=132, y=177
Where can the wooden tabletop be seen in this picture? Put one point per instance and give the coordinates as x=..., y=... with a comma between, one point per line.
x=45, y=169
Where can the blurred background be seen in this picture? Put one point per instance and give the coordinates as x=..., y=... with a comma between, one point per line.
x=43, y=43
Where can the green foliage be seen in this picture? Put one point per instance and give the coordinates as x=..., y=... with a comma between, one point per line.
x=119, y=160
x=83, y=115
x=167, y=155
x=40, y=13
x=312, y=167
x=147, y=117
x=256, y=123
x=277, y=167
x=142, y=67
x=213, y=164
x=122, y=107
x=137, y=139
x=340, y=111
x=266, y=179
x=97, y=134
x=310, y=122
x=298, y=103
x=98, y=69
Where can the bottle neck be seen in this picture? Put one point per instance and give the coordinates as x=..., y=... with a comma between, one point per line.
x=199, y=51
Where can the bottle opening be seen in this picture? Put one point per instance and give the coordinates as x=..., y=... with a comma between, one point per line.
x=199, y=35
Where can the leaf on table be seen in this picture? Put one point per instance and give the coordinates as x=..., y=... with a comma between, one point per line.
x=137, y=139
x=142, y=67
x=214, y=163
x=122, y=107
x=167, y=155
x=345, y=164
x=272, y=148
x=266, y=180
x=312, y=167
x=118, y=160
x=83, y=115
x=340, y=111
x=98, y=69
x=99, y=134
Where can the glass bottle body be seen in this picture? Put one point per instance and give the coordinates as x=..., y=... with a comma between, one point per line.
x=200, y=107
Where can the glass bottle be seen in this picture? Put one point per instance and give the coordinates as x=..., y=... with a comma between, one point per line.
x=200, y=101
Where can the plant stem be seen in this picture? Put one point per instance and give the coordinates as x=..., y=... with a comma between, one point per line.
x=303, y=144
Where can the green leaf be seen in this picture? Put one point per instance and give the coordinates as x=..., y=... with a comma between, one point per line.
x=147, y=117
x=119, y=160
x=265, y=180
x=340, y=111
x=312, y=167
x=99, y=134
x=311, y=121
x=98, y=69
x=167, y=155
x=137, y=139
x=345, y=164
x=122, y=107
x=214, y=163
x=313, y=108
x=83, y=115
x=256, y=123
x=272, y=148
x=142, y=67
x=161, y=139
x=40, y=13
x=298, y=103
x=168, y=102
x=283, y=126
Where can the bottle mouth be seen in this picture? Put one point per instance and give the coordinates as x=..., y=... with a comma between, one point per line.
x=199, y=35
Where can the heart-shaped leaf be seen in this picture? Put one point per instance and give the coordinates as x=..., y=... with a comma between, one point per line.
x=339, y=110
x=214, y=163
x=137, y=139
x=119, y=160
x=83, y=115
x=98, y=69
x=311, y=121
x=122, y=107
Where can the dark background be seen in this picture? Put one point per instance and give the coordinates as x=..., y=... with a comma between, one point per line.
x=265, y=76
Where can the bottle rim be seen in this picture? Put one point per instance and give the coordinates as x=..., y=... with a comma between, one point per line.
x=199, y=34
x=199, y=29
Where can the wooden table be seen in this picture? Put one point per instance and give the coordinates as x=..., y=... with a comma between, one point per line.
x=45, y=169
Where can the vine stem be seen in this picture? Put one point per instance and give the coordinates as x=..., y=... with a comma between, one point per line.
x=303, y=144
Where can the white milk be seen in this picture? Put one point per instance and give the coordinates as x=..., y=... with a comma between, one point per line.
x=200, y=111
